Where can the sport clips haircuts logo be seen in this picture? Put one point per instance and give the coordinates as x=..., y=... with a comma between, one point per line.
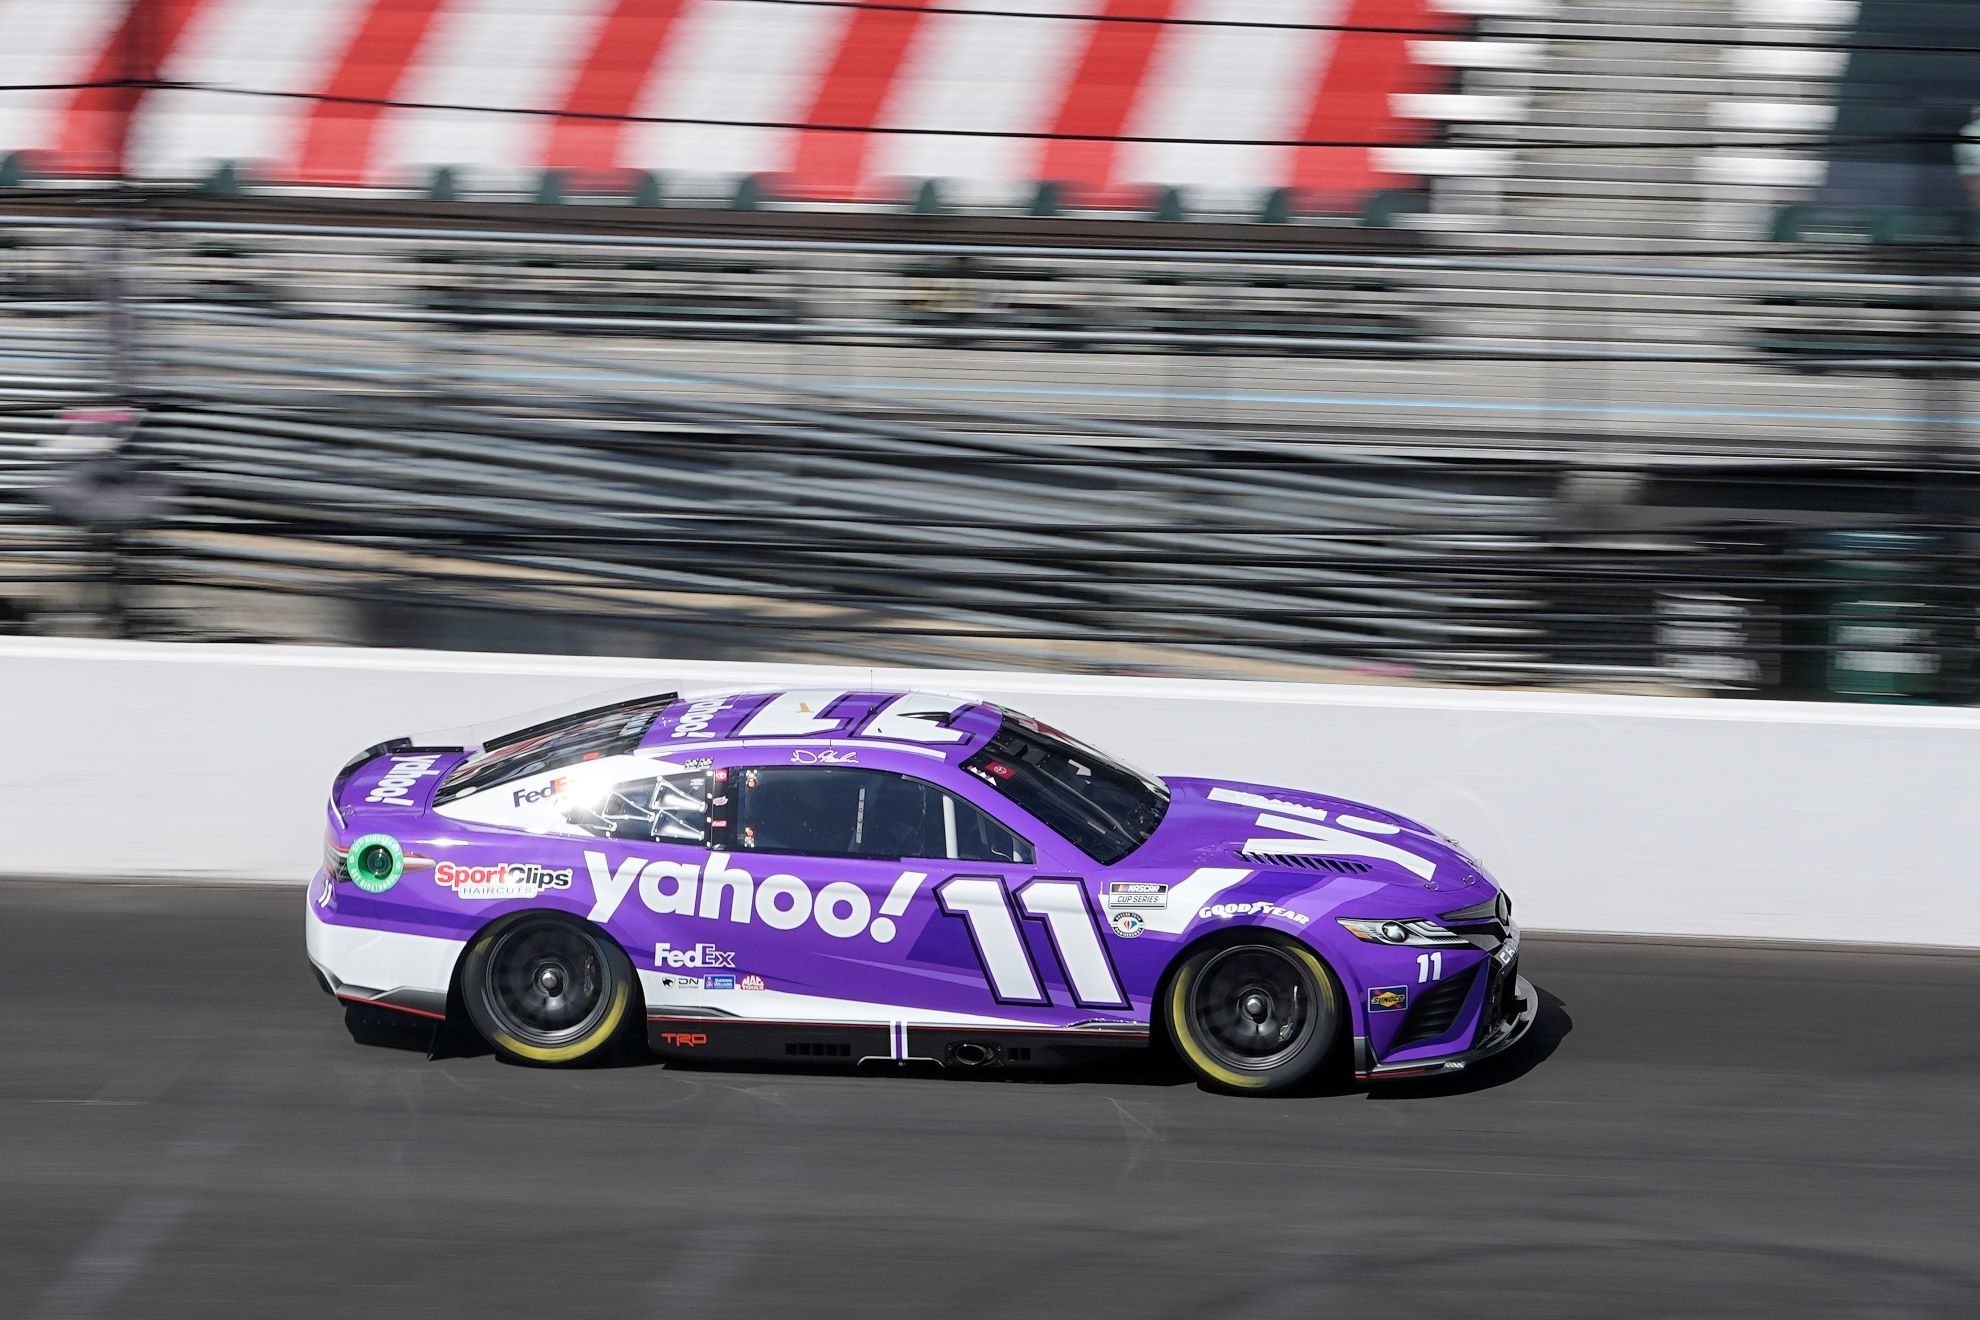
x=721, y=892
x=503, y=880
x=406, y=772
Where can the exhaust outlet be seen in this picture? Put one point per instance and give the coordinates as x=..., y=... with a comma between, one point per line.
x=968, y=1054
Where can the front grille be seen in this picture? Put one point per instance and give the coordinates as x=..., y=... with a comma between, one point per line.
x=1433, y=1012
x=1306, y=862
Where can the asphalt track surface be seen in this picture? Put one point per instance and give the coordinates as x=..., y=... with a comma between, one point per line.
x=187, y=1130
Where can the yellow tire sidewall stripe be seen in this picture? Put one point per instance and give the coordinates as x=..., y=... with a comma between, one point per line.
x=577, y=1049
x=1179, y=1022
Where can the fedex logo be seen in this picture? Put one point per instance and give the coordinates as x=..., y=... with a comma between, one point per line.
x=555, y=788
x=700, y=955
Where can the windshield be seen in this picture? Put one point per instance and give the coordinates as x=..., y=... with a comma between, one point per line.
x=586, y=736
x=1099, y=806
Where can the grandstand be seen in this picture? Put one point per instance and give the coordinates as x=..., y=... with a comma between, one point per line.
x=1680, y=288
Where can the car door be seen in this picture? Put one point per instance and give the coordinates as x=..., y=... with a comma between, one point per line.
x=969, y=929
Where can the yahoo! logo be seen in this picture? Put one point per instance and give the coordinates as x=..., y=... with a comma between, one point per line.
x=406, y=772
x=721, y=892
x=693, y=722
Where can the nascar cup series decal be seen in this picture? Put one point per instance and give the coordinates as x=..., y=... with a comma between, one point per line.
x=1136, y=894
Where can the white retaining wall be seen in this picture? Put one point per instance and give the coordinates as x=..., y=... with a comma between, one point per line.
x=1620, y=814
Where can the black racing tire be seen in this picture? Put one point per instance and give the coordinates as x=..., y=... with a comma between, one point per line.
x=547, y=990
x=1254, y=1015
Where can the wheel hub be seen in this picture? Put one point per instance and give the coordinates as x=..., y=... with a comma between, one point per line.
x=545, y=983
x=1255, y=1006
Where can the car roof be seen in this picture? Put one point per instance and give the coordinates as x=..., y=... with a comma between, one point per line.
x=728, y=718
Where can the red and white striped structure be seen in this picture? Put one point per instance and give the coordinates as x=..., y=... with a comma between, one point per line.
x=839, y=100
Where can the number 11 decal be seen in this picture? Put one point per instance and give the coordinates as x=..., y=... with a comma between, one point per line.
x=1061, y=905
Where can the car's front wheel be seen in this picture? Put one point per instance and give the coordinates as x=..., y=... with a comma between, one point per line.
x=1256, y=1016
x=544, y=989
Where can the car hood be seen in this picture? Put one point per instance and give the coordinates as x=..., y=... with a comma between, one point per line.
x=1224, y=824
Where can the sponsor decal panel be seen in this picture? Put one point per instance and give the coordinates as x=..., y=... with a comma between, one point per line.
x=1388, y=998
x=719, y=891
x=1225, y=911
x=686, y=1040
x=693, y=722
x=375, y=862
x=524, y=796
x=1127, y=923
x=503, y=880
x=394, y=789
x=719, y=981
x=681, y=982
x=752, y=982
x=696, y=955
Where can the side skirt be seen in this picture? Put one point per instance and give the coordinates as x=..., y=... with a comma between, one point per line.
x=717, y=1039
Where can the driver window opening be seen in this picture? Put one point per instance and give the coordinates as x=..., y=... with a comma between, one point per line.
x=825, y=811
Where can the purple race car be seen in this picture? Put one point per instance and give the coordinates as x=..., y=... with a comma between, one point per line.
x=850, y=876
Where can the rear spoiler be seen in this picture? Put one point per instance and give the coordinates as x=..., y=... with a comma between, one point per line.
x=390, y=747
x=575, y=717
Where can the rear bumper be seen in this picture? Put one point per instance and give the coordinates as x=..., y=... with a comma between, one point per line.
x=385, y=969
x=1501, y=1037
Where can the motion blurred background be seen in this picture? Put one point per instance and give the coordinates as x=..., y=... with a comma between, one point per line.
x=1568, y=342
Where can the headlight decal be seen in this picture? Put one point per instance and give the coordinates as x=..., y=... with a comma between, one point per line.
x=1414, y=933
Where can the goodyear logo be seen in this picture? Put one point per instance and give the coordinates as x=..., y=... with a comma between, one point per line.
x=1388, y=998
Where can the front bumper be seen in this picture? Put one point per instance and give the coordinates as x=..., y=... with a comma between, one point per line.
x=1501, y=1037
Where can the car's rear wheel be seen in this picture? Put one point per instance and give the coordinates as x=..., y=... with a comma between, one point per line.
x=1255, y=1015
x=544, y=989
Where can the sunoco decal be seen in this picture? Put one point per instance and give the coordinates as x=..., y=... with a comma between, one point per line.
x=1388, y=998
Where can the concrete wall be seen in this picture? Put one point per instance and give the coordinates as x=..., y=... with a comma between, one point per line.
x=1619, y=814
